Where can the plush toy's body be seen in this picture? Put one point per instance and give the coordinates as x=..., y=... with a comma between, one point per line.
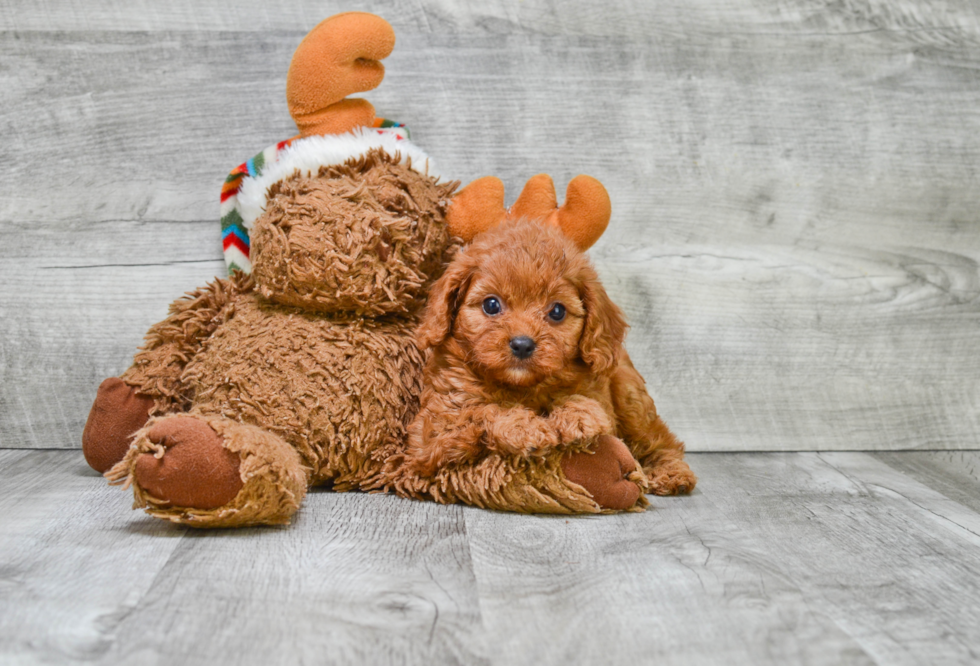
x=307, y=371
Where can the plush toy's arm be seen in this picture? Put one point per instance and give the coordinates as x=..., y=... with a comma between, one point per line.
x=173, y=342
x=151, y=386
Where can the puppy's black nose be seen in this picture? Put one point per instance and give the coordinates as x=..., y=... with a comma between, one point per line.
x=522, y=347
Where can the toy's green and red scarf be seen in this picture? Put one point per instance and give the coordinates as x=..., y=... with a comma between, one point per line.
x=234, y=235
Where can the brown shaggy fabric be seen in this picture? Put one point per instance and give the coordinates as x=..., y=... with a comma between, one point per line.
x=501, y=482
x=335, y=389
x=171, y=343
x=367, y=237
x=309, y=371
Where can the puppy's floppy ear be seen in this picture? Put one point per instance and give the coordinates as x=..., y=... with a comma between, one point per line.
x=443, y=304
x=604, y=327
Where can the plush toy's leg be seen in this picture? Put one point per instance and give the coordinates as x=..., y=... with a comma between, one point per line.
x=653, y=444
x=193, y=470
x=208, y=471
x=117, y=413
x=563, y=482
x=607, y=470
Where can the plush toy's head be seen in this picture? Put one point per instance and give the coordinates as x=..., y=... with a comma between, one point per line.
x=347, y=217
x=367, y=237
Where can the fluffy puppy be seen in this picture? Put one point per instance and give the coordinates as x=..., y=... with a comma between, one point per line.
x=527, y=356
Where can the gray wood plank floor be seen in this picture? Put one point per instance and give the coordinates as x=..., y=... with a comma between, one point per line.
x=795, y=185
x=778, y=558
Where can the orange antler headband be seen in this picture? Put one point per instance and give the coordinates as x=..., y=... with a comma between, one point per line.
x=337, y=58
x=583, y=217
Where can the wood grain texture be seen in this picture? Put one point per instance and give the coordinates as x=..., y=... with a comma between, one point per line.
x=74, y=310
x=956, y=474
x=73, y=563
x=355, y=580
x=938, y=21
x=677, y=584
x=892, y=562
x=778, y=558
x=795, y=188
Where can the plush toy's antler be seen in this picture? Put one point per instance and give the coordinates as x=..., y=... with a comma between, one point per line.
x=337, y=58
x=583, y=217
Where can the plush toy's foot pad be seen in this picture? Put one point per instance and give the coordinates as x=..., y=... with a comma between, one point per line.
x=671, y=477
x=603, y=473
x=195, y=470
x=117, y=413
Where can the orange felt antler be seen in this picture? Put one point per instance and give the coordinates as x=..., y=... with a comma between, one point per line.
x=586, y=212
x=583, y=217
x=337, y=58
x=477, y=207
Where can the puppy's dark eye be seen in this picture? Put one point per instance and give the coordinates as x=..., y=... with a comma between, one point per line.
x=491, y=305
x=557, y=312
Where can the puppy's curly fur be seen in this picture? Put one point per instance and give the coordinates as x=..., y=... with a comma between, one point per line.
x=527, y=356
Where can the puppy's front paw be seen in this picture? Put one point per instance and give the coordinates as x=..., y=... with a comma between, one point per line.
x=671, y=477
x=540, y=437
x=519, y=430
x=580, y=418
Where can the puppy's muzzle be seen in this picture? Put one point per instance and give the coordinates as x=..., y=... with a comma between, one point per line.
x=522, y=347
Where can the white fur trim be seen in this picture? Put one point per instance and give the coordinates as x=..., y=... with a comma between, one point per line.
x=309, y=154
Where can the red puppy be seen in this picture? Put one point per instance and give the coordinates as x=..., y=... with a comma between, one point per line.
x=528, y=356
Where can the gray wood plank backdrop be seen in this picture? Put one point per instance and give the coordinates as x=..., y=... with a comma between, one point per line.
x=795, y=184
